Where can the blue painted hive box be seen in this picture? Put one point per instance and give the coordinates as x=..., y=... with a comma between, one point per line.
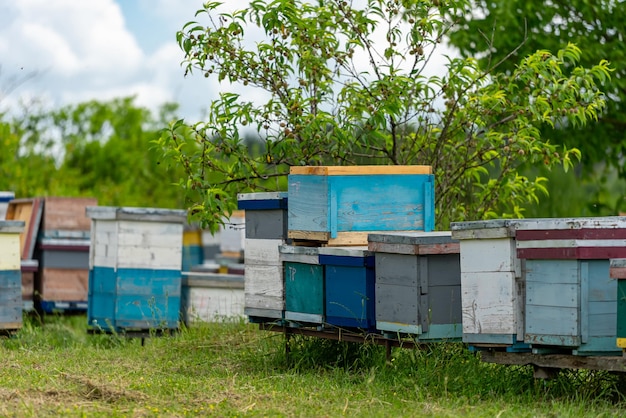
x=10, y=276
x=349, y=287
x=492, y=286
x=340, y=205
x=135, y=268
x=571, y=300
x=304, y=284
x=193, y=252
x=418, y=284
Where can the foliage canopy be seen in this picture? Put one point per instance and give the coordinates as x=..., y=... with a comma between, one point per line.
x=342, y=83
x=493, y=29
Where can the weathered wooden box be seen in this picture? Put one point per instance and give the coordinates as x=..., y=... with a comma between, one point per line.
x=63, y=252
x=571, y=301
x=418, y=284
x=28, y=211
x=5, y=198
x=211, y=297
x=492, y=286
x=63, y=273
x=304, y=284
x=10, y=276
x=349, y=286
x=340, y=205
x=265, y=232
x=135, y=264
x=64, y=217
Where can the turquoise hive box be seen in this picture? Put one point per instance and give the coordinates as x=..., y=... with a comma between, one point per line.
x=341, y=205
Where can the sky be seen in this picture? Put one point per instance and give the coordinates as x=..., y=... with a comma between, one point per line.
x=70, y=51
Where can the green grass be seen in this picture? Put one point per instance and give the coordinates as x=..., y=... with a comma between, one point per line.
x=234, y=369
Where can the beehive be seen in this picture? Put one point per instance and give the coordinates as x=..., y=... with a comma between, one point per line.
x=418, y=284
x=492, y=286
x=62, y=249
x=340, y=205
x=210, y=297
x=135, y=265
x=304, y=284
x=571, y=301
x=10, y=276
x=193, y=251
x=265, y=232
x=349, y=285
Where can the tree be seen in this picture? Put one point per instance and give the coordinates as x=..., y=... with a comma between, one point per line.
x=100, y=149
x=348, y=84
x=496, y=28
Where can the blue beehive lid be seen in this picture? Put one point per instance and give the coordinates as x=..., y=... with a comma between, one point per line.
x=262, y=201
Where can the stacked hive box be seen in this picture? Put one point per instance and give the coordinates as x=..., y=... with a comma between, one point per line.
x=232, y=241
x=63, y=254
x=211, y=296
x=10, y=276
x=193, y=252
x=265, y=232
x=418, y=284
x=349, y=287
x=492, y=286
x=571, y=301
x=28, y=211
x=341, y=205
x=304, y=285
x=135, y=268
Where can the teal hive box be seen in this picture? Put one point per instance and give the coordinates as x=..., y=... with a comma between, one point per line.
x=304, y=284
x=340, y=205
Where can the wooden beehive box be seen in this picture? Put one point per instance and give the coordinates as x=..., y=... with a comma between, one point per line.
x=571, y=301
x=210, y=297
x=63, y=273
x=61, y=283
x=418, y=284
x=265, y=214
x=341, y=205
x=304, y=284
x=193, y=252
x=492, y=287
x=10, y=276
x=5, y=198
x=617, y=271
x=265, y=232
x=28, y=211
x=349, y=286
x=135, y=265
x=64, y=217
